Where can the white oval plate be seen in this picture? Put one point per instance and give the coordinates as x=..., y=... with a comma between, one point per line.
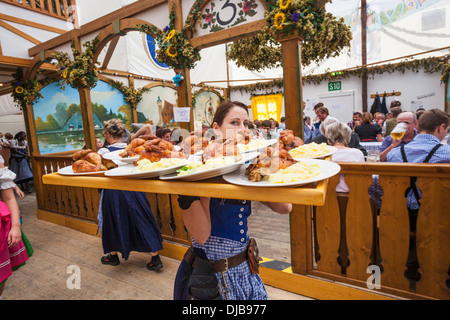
x=68, y=171
x=327, y=170
x=210, y=173
x=126, y=171
x=260, y=148
x=332, y=150
x=114, y=155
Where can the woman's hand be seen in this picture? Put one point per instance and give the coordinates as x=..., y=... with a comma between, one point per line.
x=14, y=236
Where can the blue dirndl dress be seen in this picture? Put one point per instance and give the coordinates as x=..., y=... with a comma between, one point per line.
x=228, y=238
x=127, y=223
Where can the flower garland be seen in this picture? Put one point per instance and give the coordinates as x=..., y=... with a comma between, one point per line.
x=131, y=96
x=24, y=92
x=174, y=49
x=445, y=73
x=76, y=73
x=428, y=65
x=323, y=35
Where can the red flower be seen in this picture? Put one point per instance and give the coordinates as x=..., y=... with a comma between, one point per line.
x=247, y=6
x=208, y=17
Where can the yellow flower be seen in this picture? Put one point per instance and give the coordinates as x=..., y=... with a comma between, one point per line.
x=171, y=34
x=171, y=51
x=134, y=92
x=279, y=20
x=283, y=4
x=71, y=74
x=19, y=89
x=65, y=73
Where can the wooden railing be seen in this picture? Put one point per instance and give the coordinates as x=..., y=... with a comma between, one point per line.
x=338, y=241
x=341, y=239
x=83, y=203
x=54, y=8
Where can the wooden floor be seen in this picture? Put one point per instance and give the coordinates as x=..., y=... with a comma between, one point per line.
x=56, y=248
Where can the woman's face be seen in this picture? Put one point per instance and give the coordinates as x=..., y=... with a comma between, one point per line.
x=233, y=121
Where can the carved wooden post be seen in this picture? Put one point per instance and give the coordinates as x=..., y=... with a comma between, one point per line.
x=184, y=87
x=293, y=95
x=88, y=118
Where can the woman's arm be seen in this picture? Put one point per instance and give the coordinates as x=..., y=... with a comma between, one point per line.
x=9, y=199
x=282, y=208
x=197, y=220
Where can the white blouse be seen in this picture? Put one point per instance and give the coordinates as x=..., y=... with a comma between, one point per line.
x=7, y=179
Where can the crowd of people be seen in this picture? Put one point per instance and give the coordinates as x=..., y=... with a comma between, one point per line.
x=219, y=226
x=14, y=154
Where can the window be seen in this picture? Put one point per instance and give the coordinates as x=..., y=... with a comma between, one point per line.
x=267, y=106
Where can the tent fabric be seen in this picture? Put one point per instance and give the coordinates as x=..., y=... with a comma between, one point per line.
x=8, y=106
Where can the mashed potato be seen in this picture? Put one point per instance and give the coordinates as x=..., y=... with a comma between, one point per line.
x=146, y=165
x=297, y=172
x=198, y=166
x=311, y=150
x=252, y=145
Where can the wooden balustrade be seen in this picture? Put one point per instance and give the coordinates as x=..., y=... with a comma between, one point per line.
x=352, y=232
x=83, y=202
x=55, y=8
x=336, y=241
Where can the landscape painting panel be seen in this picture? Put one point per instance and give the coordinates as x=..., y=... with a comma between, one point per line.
x=58, y=118
x=157, y=107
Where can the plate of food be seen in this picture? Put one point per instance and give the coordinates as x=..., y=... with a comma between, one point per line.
x=87, y=162
x=147, y=169
x=117, y=156
x=68, y=171
x=199, y=170
x=299, y=173
x=312, y=151
x=255, y=145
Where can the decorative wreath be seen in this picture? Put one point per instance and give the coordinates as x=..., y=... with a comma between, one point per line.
x=76, y=73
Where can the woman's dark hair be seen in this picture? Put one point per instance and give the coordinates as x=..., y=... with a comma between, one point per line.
x=224, y=108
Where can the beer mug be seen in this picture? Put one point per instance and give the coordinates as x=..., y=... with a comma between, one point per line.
x=399, y=131
x=373, y=156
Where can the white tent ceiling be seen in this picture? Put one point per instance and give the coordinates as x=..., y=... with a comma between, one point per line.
x=396, y=28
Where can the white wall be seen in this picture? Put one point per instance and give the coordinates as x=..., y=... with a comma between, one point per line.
x=417, y=89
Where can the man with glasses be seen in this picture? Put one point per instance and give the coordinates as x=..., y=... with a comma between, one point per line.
x=389, y=143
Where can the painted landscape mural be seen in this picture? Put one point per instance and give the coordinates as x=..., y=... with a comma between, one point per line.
x=156, y=107
x=58, y=119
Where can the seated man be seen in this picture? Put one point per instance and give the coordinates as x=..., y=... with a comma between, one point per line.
x=433, y=127
x=389, y=143
x=426, y=147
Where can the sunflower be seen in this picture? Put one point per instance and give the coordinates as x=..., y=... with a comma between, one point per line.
x=279, y=20
x=134, y=92
x=171, y=51
x=171, y=34
x=283, y=4
x=19, y=90
x=65, y=73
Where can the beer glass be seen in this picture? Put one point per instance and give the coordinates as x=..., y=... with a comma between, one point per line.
x=399, y=131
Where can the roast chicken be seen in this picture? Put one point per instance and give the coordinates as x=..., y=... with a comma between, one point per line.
x=221, y=148
x=194, y=143
x=90, y=161
x=288, y=141
x=274, y=158
x=156, y=148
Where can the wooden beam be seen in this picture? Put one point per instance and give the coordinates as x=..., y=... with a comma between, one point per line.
x=31, y=23
x=18, y=32
x=109, y=53
x=228, y=35
x=127, y=11
x=13, y=61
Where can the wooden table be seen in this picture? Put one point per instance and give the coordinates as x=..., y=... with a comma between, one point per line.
x=311, y=194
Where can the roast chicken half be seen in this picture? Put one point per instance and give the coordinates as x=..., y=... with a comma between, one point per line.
x=90, y=161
